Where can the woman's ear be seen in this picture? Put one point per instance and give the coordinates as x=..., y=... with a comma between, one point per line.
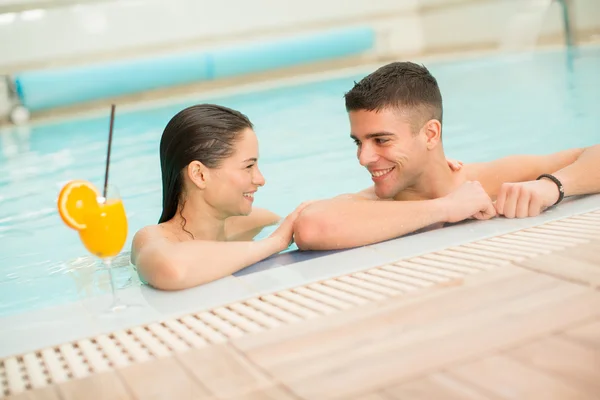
x=433, y=133
x=198, y=174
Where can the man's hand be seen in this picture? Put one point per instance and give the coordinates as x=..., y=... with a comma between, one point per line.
x=526, y=199
x=468, y=201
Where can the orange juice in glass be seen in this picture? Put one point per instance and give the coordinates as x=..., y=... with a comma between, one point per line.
x=101, y=222
x=106, y=229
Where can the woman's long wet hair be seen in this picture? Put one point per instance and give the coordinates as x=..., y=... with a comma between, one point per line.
x=205, y=133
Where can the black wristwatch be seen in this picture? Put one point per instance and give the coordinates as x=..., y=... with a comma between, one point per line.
x=561, y=189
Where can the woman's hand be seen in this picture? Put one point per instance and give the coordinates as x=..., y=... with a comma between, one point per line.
x=284, y=233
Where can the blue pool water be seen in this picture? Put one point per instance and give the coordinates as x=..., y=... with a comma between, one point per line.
x=493, y=107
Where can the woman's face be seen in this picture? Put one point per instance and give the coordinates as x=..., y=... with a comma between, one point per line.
x=230, y=188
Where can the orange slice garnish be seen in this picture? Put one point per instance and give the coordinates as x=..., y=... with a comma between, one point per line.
x=75, y=198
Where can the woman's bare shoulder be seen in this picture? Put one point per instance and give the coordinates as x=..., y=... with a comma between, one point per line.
x=150, y=235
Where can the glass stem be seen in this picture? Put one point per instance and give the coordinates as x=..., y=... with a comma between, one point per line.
x=113, y=285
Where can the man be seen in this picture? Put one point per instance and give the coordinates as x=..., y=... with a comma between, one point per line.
x=396, y=122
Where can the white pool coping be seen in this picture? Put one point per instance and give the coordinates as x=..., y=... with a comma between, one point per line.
x=52, y=326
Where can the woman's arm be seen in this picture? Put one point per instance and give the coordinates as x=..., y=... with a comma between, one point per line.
x=168, y=264
x=247, y=227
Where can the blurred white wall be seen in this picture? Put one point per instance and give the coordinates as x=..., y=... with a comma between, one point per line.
x=124, y=28
x=497, y=21
x=133, y=24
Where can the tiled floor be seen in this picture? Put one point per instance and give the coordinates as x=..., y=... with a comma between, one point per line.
x=505, y=332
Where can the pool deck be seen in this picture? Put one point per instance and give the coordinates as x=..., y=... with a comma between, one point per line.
x=511, y=316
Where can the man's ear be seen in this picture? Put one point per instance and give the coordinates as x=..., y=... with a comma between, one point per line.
x=433, y=133
x=198, y=174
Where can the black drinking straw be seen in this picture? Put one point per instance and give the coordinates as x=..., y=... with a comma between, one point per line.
x=110, y=134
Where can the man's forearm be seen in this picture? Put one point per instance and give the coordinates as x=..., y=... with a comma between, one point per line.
x=583, y=175
x=342, y=223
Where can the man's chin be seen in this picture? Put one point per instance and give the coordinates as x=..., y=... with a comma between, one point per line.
x=245, y=212
x=248, y=209
x=383, y=194
x=387, y=193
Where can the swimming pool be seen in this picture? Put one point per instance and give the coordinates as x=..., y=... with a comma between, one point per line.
x=493, y=107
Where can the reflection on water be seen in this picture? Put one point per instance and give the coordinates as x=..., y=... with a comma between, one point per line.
x=50, y=283
x=92, y=278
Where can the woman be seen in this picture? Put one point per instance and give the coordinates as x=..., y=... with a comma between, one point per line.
x=208, y=159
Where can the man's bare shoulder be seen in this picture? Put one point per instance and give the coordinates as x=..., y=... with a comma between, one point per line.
x=491, y=174
x=479, y=170
x=474, y=171
x=366, y=194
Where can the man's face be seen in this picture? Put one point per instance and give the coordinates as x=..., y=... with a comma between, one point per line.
x=387, y=147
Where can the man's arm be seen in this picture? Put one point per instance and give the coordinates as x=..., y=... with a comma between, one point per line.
x=583, y=175
x=356, y=220
x=519, y=168
x=578, y=170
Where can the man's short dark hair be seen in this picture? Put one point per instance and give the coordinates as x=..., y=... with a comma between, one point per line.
x=403, y=85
